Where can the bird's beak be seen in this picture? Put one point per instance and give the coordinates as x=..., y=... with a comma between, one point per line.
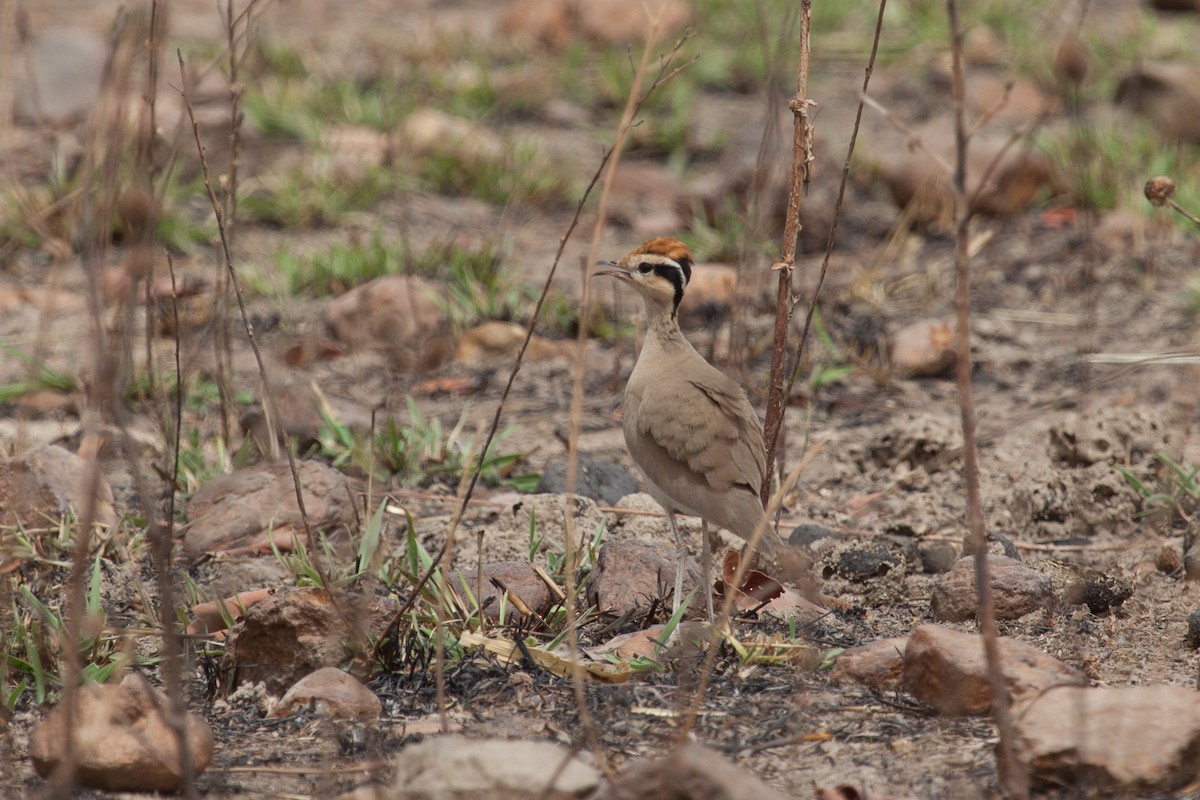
x=619, y=273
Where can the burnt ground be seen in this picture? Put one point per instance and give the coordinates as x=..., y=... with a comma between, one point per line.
x=1056, y=417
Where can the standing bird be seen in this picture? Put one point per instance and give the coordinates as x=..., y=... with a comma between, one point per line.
x=689, y=426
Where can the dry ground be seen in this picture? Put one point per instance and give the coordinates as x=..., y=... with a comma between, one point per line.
x=1045, y=298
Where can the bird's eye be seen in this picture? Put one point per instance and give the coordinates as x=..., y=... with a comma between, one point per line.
x=645, y=267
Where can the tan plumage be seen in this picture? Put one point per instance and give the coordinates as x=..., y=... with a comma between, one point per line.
x=689, y=427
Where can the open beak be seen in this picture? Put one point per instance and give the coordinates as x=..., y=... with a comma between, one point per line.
x=620, y=273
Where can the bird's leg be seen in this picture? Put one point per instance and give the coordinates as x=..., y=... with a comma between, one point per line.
x=680, y=560
x=706, y=566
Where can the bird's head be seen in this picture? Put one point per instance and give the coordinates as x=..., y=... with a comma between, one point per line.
x=659, y=269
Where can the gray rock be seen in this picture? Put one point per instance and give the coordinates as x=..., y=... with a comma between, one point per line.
x=457, y=768
x=806, y=533
x=67, y=67
x=602, y=481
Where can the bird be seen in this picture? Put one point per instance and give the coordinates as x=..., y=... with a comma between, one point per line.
x=689, y=427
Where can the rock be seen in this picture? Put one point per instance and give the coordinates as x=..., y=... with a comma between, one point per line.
x=348, y=153
x=923, y=349
x=630, y=575
x=1141, y=739
x=430, y=132
x=494, y=340
x=296, y=631
x=1169, y=559
x=1191, y=563
x=455, y=767
x=121, y=739
x=859, y=562
x=67, y=64
x=918, y=182
x=398, y=315
x=1106, y=436
x=807, y=533
x=1099, y=591
x=518, y=577
x=46, y=485
x=1193, y=632
x=1012, y=102
x=1017, y=590
x=1052, y=503
x=878, y=665
x=646, y=643
x=603, y=481
x=946, y=669
x=1166, y=94
x=689, y=771
x=918, y=441
x=300, y=415
x=244, y=509
x=558, y=23
x=329, y=692
x=937, y=556
x=211, y=616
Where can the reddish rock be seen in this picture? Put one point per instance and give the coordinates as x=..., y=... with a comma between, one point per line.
x=630, y=575
x=428, y=131
x=878, y=665
x=502, y=340
x=689, y=771
x=296, y=631
x=397, y=315
x=558, y=23
x=518, y=577
x=1015, y=178
x=1012, y=102
x=924, y=349
x=452, y=766
x=210, y=617
x=329, y=692
x=121, y=740
x=45, y=485
x=246, y=508
x=1129, y=738
x=946, y=669
x=1017, y=590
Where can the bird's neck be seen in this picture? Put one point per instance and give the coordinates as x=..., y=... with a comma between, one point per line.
x=661, y=324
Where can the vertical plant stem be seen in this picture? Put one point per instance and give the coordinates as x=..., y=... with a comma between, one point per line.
x=802, y=133
x=1012, y=775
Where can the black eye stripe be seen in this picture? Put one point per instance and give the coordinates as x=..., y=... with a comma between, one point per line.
x=677, y=275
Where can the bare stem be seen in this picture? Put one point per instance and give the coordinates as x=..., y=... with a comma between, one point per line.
x=1013, y=776
x=802, y=138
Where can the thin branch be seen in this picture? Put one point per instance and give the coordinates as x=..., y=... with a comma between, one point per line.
x=802, y=136
x=1013, y=777
x=837, y=209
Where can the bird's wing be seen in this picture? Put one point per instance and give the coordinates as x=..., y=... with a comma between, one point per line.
x=706, y=424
